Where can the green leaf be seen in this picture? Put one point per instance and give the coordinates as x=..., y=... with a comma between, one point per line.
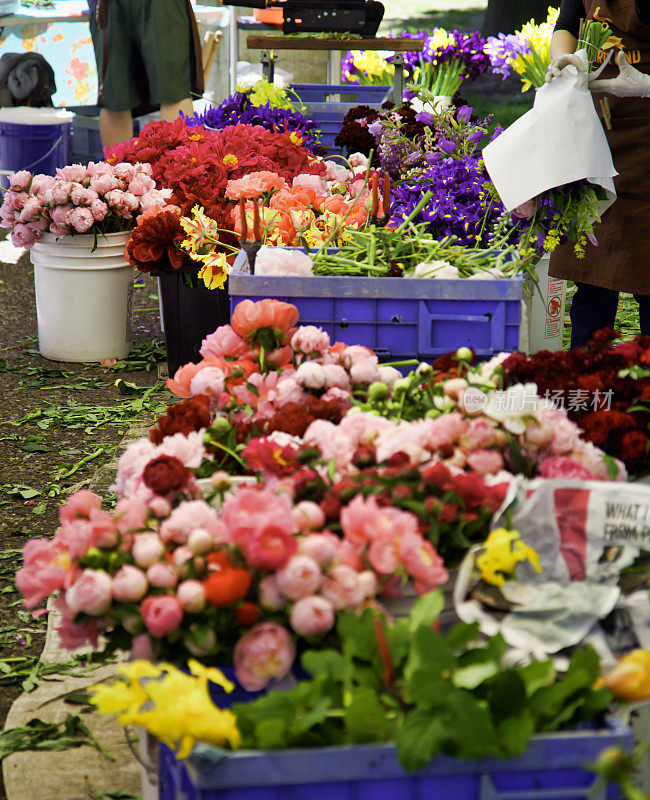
x=507, y=697
x=474, y=675
x=305, y=722
x=358, y=633
x=419, y=738
x=271, y=734
x=426, y=610
x=536, y=675
x=427, y=691
x=462, y=634
x=429, y=650
x=329, y=663
x=514, y=733
x=365, y=718
x=470, y=730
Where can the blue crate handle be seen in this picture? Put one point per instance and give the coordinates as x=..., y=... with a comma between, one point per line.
x=592, y=792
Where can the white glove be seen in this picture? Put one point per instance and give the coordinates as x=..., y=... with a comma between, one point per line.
x=629, y=83
x=558, y=64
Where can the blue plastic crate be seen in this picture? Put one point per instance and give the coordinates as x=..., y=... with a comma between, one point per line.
x=329, y=117
x=399, y=318
x=348, y=92
x=86, y=144
x=553, y=768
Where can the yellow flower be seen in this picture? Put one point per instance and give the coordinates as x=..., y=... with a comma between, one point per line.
x=373, y=63
x=503, y=550
x=230, y=160
x=630, y=678
x=214, y=271
x=296, y=138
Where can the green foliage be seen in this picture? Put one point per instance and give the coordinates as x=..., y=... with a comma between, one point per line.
x=39, y=735
x=448, y=694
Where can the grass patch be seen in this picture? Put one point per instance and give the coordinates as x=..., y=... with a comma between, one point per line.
x=627, y=317
x=504, y=109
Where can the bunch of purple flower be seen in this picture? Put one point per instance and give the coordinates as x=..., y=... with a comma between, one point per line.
x=462, y=204
x=503, y=49
x=237, y=109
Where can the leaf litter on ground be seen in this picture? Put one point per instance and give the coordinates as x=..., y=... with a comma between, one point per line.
x=49, y=736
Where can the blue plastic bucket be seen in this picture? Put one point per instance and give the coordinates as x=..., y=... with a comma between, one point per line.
x=37, y=148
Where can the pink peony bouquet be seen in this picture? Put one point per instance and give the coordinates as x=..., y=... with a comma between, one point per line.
x=99, y=198
x=243, y=585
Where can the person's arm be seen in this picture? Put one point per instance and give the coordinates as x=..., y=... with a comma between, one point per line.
x=565, y=39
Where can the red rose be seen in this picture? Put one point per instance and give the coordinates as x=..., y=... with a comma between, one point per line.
x=165, y=474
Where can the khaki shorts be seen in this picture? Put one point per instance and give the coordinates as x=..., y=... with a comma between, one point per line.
x=149, y=42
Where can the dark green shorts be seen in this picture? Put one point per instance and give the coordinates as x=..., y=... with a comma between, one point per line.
x=149, y=43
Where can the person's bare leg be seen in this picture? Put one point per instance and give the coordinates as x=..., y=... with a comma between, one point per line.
x=115, y=126
x=169, y=111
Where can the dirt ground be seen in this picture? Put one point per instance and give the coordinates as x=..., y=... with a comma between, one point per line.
x=58, y=450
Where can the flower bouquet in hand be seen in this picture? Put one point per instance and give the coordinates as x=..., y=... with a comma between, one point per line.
x=96, y=199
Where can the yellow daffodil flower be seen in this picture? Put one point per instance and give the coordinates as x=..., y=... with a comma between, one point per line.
x=503, y=550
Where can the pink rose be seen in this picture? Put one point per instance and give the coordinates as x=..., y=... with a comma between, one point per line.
x=312, y=616
x=162, y=575
x=161, y=615
x=191, y=596
x=129, y=584
x=91, y=593
x=300, y=577
x=147, y=549
x=20, y=180
x=342, y=587
x=265, y=653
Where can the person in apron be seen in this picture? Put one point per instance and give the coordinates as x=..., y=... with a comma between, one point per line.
x=148, y=57
x=619, y=262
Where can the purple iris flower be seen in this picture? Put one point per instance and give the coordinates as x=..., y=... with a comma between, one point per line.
x=447, y=146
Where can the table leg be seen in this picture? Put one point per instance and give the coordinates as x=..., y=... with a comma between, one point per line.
x=398, y=83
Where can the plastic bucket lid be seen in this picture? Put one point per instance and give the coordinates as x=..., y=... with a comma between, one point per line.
x=25, y=115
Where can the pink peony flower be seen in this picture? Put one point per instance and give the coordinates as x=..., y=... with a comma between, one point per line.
x=103, y=529
x=129, y=584
x=200, y=541
x=162, y=575
x=80, y=196
x=186, y=517
x=22, y=236
x=445, y=430
x=269, y=548
x=335, y=172
x=104, y=183
x=564, y=468
x=126, y=172
x=130, y=514
x=99, y=210
x=191, y=596
x=224, y=342
x=312, y=616
x=142, y=647
x=61, y=214
x=251, y=510
x=336, y=377
x=265, y=653
x=31, y=210
x=422, y=562
x=19, y=180
x=369, y=583
x=479, y=434
x=188, y=448
x=358, y=160
x=288, y=390
x=308, y=516
x=270, y=598
x=161, y=615
x=79, y=504
x=160, y=507
x=322, y=547
x=364, y=371
x=147, y=549
x=57, y=230
x=309, y=339
x=342, y=587
x=281, y=261
x=485, y=461
x=73, y=172
x=45, y=570
x=301, y=576
x=76, y=634
x=61, y=191
x=313, y=182
x=210, y=381
x=91, y=593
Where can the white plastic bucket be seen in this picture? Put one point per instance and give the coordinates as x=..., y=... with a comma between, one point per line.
x=84, y=299
x=545, y=310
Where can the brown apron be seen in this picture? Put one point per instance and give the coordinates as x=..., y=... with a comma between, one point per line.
x=620, y=261
x=196, y=62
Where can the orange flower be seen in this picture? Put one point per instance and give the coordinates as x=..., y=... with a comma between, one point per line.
x=630, y=678
x=180, y=383
x=250, y=317
x=336, y=204
x=227, y=586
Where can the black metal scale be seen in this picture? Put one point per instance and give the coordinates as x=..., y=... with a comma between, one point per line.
x=314, y=16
